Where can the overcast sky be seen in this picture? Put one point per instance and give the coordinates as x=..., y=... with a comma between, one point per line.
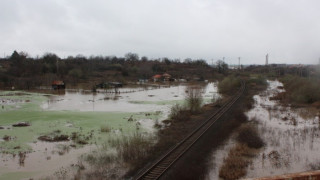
x=289, y=30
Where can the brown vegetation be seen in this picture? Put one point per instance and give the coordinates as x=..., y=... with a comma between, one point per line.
x=239, y=157
x=179, y=113
x=236, y=163
x=279, y=97
x=56, y=138
x=21, y=124
x=194, y=98
x=105, y=128
x=229, y=85
x=301, y=90
x=249, y=136
x=110, y=164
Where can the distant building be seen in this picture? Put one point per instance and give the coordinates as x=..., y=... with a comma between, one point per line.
x=163, y=77
x=166, y=77
x=156, y=78
x=58, y=85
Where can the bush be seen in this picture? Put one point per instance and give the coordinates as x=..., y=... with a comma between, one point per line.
x=105, y=129
x=179, y=113
x=301, y=90
x=194, y=99
x=259, y=80
x=229, y=85
x=248, y=135
x=235, y=164
x=131, y=148
x=112, y=159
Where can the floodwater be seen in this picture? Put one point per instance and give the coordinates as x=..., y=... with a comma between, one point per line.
x=292, y=141
x=82, y=112
x=292, y=138
x=126, y=100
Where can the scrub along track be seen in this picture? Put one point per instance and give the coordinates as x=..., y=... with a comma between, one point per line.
x=156, y=170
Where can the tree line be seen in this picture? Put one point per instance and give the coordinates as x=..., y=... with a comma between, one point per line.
x=25, y=72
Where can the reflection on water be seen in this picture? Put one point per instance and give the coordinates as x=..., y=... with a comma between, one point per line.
x=128, y=100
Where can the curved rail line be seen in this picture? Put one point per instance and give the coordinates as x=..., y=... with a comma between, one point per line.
x=156, y=170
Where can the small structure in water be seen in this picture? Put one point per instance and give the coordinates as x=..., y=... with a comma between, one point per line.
x=58, y=85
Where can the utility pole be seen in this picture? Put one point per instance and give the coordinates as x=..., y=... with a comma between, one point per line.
x=267, y=59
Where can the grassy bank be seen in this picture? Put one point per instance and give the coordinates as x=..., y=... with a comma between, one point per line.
x=300, y=90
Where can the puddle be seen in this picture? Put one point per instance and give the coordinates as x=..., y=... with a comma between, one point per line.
x=292, y=141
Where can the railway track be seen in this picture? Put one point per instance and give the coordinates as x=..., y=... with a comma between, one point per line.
x=156, y=170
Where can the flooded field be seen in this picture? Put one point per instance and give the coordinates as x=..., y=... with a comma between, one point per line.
x=42, y=134
x=291, y=136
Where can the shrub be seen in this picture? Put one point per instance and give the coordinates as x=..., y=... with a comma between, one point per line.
x=235, y=164
x=179, y=113
x=259, y=80
x=194, y=99
x=105, y=129
x=249, y=136
x=229, y=85
x=301, y=90
x=132, y=147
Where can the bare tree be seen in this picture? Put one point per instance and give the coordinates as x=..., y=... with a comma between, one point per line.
x=194, y=98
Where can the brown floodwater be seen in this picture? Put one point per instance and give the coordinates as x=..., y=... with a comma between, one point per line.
x=55, y=159
x=292, y=140
x=127, y=100
x=44, y=159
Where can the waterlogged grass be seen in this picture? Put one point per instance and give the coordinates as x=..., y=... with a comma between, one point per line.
x=26, y=108
x=44, y=122
x=17, y=175
x=18, y=100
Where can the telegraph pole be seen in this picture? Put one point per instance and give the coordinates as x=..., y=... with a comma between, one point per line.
x=267, y=59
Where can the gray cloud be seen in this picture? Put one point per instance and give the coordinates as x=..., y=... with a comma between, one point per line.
x=286, y=29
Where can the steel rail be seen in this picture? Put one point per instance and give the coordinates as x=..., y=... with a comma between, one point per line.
x=157, y=169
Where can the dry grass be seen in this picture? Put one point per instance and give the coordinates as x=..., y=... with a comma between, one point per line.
x=179, y=113
x=105, y=129
x=236, y=163
x=114, y=158
x=131, y=148
x=239, y=157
